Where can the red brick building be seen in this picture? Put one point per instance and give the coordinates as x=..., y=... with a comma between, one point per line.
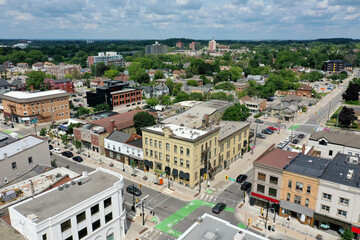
x=304, y=90
x=65, y=84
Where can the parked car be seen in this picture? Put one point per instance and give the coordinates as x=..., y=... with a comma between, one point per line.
x=133, y=190
x=272, y=131
x=259, y=121
x=77, y=100
x=51, y=147
x=262, y=136
x=295, y=141
x=77, y=159
x=272, y=128
x=218, y=208
x=301, y=136
x=266, y=131
x=281, y=145
x=246, y=186
x=270, y=99
x=67, y=154
x=287, y=139
x=266, y=116
x=293, y=135
x=241, y=178
x=56, y=150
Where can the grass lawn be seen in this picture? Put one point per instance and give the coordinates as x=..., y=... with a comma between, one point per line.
x=356, y=102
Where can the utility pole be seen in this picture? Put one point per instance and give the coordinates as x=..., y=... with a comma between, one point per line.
x=143, y=213
x=328, y=116
x=256, y=128
x=267, y=214
x=200, y=182
x=35, y=129
x=133, y=207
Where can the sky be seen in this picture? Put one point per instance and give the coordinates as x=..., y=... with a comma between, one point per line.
x=195, y=19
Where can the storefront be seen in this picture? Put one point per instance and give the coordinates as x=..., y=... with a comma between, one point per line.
x=262, y=201
x=326, y=223
x=302, y=214
x=148, y=165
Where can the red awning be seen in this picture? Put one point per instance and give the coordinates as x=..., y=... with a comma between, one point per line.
x=264, y=197
x=355, y=230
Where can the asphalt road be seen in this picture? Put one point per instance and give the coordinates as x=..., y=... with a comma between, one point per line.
x=74, y=166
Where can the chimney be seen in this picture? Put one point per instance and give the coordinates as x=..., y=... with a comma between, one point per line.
x=112, y=125
x=5, y=156
x=303, y=149
x=206, y=119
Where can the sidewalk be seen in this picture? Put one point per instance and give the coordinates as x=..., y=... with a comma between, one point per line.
x=284, y=229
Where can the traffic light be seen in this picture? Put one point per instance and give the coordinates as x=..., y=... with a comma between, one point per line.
x=249, y=221
x=137, y=200
x=226, y=177
x=139, y=185
x=205, y=176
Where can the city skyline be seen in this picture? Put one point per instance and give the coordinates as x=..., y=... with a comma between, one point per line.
x=197, y=19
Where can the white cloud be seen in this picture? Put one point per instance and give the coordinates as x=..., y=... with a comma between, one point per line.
x=2, y=2
x=91, y=26
x=21, y=16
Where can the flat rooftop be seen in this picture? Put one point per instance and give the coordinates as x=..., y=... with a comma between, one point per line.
x=179, y=131
x=19, y=146
x=6, y=139
x=53, y=202
x=307, y=165
x=230, y=127
x=338, y=138
x=28, y=95
x=276, y=158
x=124, y=90
x=212, y=227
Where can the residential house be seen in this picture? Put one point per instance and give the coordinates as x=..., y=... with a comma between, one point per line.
x=239, y=86
x=191, y=89
x=3, y=71
x=61, y=70
x=257, y=78
x=305, y=90
x=178, y=73
x=65, y=84
x=255, y=105
x=300, y=185
x=286, y=109
x=38, y=66
x=18, y=85
x=4, y=86
x=154, y=91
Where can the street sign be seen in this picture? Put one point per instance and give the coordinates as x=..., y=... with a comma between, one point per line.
x=232, y=179
x=139, y=185
x=226, y=177
x=163, y=173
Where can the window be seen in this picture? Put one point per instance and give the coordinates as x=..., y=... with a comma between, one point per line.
x=344, y=201
x=330, y=152
x=272, y=192
x=44, y=237
x=261, y=176
x=273, y=180
x=80, y=217
x=65, y=225
x=222, y=148
x=107, y=202
x=167, y=158
x=181, y=150
x=156, y=155
x=13, y=165
x=151, y=153
x=260, y=188
x=297, y=200
x=168, y=146
x=151, y=142
x=175, y=148
x=108, y=217
x=69, y=238
x=82, y=233
x=30, y=160
x=187, y=163
x=299, y=186
x=290, y=184
x=307, y=201
x=341, y=213
x=308, y=189
x=175, y=160
x=155, y=143
x=146, y=140
x=181, y=162
x=96, y=225
x=325, y=208
x=160, y=144
x=288, y=196
x=110, y=237
x=160, y=155
x=94, y=209
x=188, y=152
x=327, y=196
x=146, y=152
x=228, y=144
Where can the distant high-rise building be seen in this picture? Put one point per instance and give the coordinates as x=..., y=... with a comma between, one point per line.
x=156, y=49
x=193, y=46
x=107, y=57
x=212, y=45
x=180, y=45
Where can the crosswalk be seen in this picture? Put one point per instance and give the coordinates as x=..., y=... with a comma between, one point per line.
x=215, y=199
x=169, y=191
x=298, y=132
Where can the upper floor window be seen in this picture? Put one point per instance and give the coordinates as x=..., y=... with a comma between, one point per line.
x=261, y=176
x=344, y=201
x=299, y=186
x=327, y=196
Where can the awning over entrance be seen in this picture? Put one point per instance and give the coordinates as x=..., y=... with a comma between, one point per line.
x=296, y=208
x=185, y=176
x=175, y=172
x=148, y=163
x=355, y=229
x=265, y=197
x=167, y=169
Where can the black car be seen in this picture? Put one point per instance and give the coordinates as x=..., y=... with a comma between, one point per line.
x=77, y=159
x=77, y=100
x=246, y=186
x=67, y=154
x=270, y=99
x=241, y=178
x=51, y=147
x=266, y=131
x=218, y=208
x=259, y=135
x=133, y=190
x=295, y=141
x=259, y=121
x=301, y=136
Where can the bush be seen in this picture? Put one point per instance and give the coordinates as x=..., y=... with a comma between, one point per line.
x=257, y=115
x=354, y=125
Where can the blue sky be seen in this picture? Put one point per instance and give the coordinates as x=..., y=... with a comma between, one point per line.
x=198, y=19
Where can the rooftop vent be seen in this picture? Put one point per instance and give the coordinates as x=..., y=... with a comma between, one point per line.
x=289, y=157
x=350, y=174
x=60, y=188
x=352, y=160
x=310, y=161
x=66, y=185
x=73, y=182
x=32, y=217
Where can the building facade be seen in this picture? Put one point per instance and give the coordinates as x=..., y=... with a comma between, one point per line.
x=212, y=45
x=182, y=153
x=65, y=84
x=95, y=210
x=27, y=108
x=334, y=66
x=106, y=58
x=156, y=49
x=59, y=71
x=92, y=137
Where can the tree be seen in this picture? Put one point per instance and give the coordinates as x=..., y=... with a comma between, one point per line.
x=170, y=84
x=228, y=86
x=143, y=119
x=177, y=88
x=112, y=73
x=347, y=116
x=235, y=73
x=36, y=79
x=76, y=74
x=166, y=100
x=101, y=107
x=222, y=76
x=135, y=71
x=87, y=82
x=196, y=96
x=219, y=95
x=152, y=102
x=43, y=132
x=78, y=144
x=71, y=127
x=82, y=111
x=347, y=235
x=144, y=78
x=100, y=69
x=230, y=98
x=86, y=75
x=181, y=96
x=236, y=113
x=352, y=92
x=68, y=76
x=192, y=82
x=65, y=139
x=159, y=75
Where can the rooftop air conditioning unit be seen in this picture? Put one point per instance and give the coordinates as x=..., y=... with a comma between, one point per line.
x=350, y=174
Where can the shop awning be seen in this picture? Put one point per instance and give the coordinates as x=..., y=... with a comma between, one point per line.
x=175, y=172
x=264, y=197
x=182, y=175
x=148, y=163
x=296, y=208
x=167, y=169
x=355, y=229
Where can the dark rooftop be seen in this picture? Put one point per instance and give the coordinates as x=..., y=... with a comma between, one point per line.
x=6, y=139
x=339, y=138
x=339, y=168
x=118, y=136
x=276, y=158
x=136, y=143
x=307, y=165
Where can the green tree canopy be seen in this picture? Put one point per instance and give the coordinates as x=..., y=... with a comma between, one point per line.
x=112, y=73
x=192, y=82
x=36, y=80
x=82, y=111
x=196, y=96
x=236, y=113
x=170, y=84
x=347, y=116
x=166, y=100
x=352, y=92
x=143, y=119
x=235, y=73
x=43, y=132
x=181, y=96
x=136, y=71
x=152, y=102
x=159, y=74
x=228, y=86
x=219, y=95
x=101, y=107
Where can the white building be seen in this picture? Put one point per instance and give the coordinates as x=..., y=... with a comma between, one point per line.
x=338, y=198
x=212, y=45
x=330, y=143
x=91, y=207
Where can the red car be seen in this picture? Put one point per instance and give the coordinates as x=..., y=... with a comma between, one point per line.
x=272, y=128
